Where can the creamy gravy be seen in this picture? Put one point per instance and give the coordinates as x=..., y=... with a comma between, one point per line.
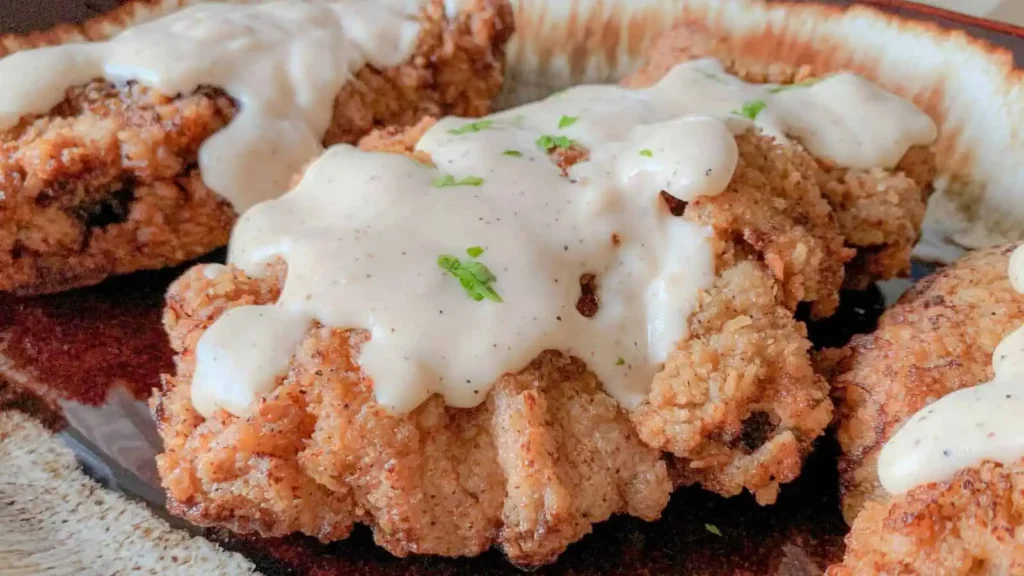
x=965, y=427
x=362, y=235
x=283, y=61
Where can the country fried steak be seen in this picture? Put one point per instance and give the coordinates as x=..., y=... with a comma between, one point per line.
x=738, y=405
x=107, y=182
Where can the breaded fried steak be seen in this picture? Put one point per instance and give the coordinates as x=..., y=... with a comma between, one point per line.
x=937, y=339
x=928, y=418
x=502, y=331
x=141, y=163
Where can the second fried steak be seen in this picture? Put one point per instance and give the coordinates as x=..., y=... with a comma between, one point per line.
x=939, y=338
x=107, y=182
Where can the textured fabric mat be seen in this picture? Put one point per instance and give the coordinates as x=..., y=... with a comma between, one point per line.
x=56, y=520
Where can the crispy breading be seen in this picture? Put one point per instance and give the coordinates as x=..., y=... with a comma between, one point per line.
x=879, y=211
x=530, y=470
x=969, y=526
x=938, y=338
x=106, y=183
x=774, y=211
x=738, y=403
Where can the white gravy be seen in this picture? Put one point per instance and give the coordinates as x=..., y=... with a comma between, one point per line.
x=362, y=234
x=966, y=427
x=283, y=61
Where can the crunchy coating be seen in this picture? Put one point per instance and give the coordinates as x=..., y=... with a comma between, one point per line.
x=879, y=211
x=773, y=211
x=969, y=526
x=738, y=404
x=938, y=338
x=106, y=183
x=530, y=470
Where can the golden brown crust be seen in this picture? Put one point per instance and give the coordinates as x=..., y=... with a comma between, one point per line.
x=456, y=69
x=774, y=209
x=530, y=470
x=938, y=338
x=879, y=211
x=738, y=403
x=689, y=42
x=969, y=526
x=106, y=183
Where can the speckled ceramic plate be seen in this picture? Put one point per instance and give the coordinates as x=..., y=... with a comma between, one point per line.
x=93, y=354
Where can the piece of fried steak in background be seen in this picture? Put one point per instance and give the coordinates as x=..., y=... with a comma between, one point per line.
x=108, y=183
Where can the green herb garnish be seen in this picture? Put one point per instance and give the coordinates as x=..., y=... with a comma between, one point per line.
x=449, y=180
x=474, y=277
x=646, y=152
x=474, y=251
x=566, y=121
x=472, y=127
x=621, y=361
x=785, y=87
x=751, y=109
x=548, y=142
x=713, y=529
x=512, y=153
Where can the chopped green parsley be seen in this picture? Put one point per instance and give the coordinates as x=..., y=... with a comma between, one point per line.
x=620, y=362
x=448, y=180
x=751, y=109
x=785, y=87
x=646, y=152
x=474, y=277
x=566, y=121
x=713, y=529
x=472, y=127
x=512, y=153
x=548, y=142
x=474, y=251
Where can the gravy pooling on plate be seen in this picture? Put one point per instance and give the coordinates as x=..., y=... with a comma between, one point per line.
x=468, y=269
x=966, y=427
x=284, y=61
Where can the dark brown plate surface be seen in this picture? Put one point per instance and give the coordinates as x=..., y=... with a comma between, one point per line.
x=71, y=349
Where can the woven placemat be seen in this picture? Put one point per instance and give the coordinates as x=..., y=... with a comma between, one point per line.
x=56, y=520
